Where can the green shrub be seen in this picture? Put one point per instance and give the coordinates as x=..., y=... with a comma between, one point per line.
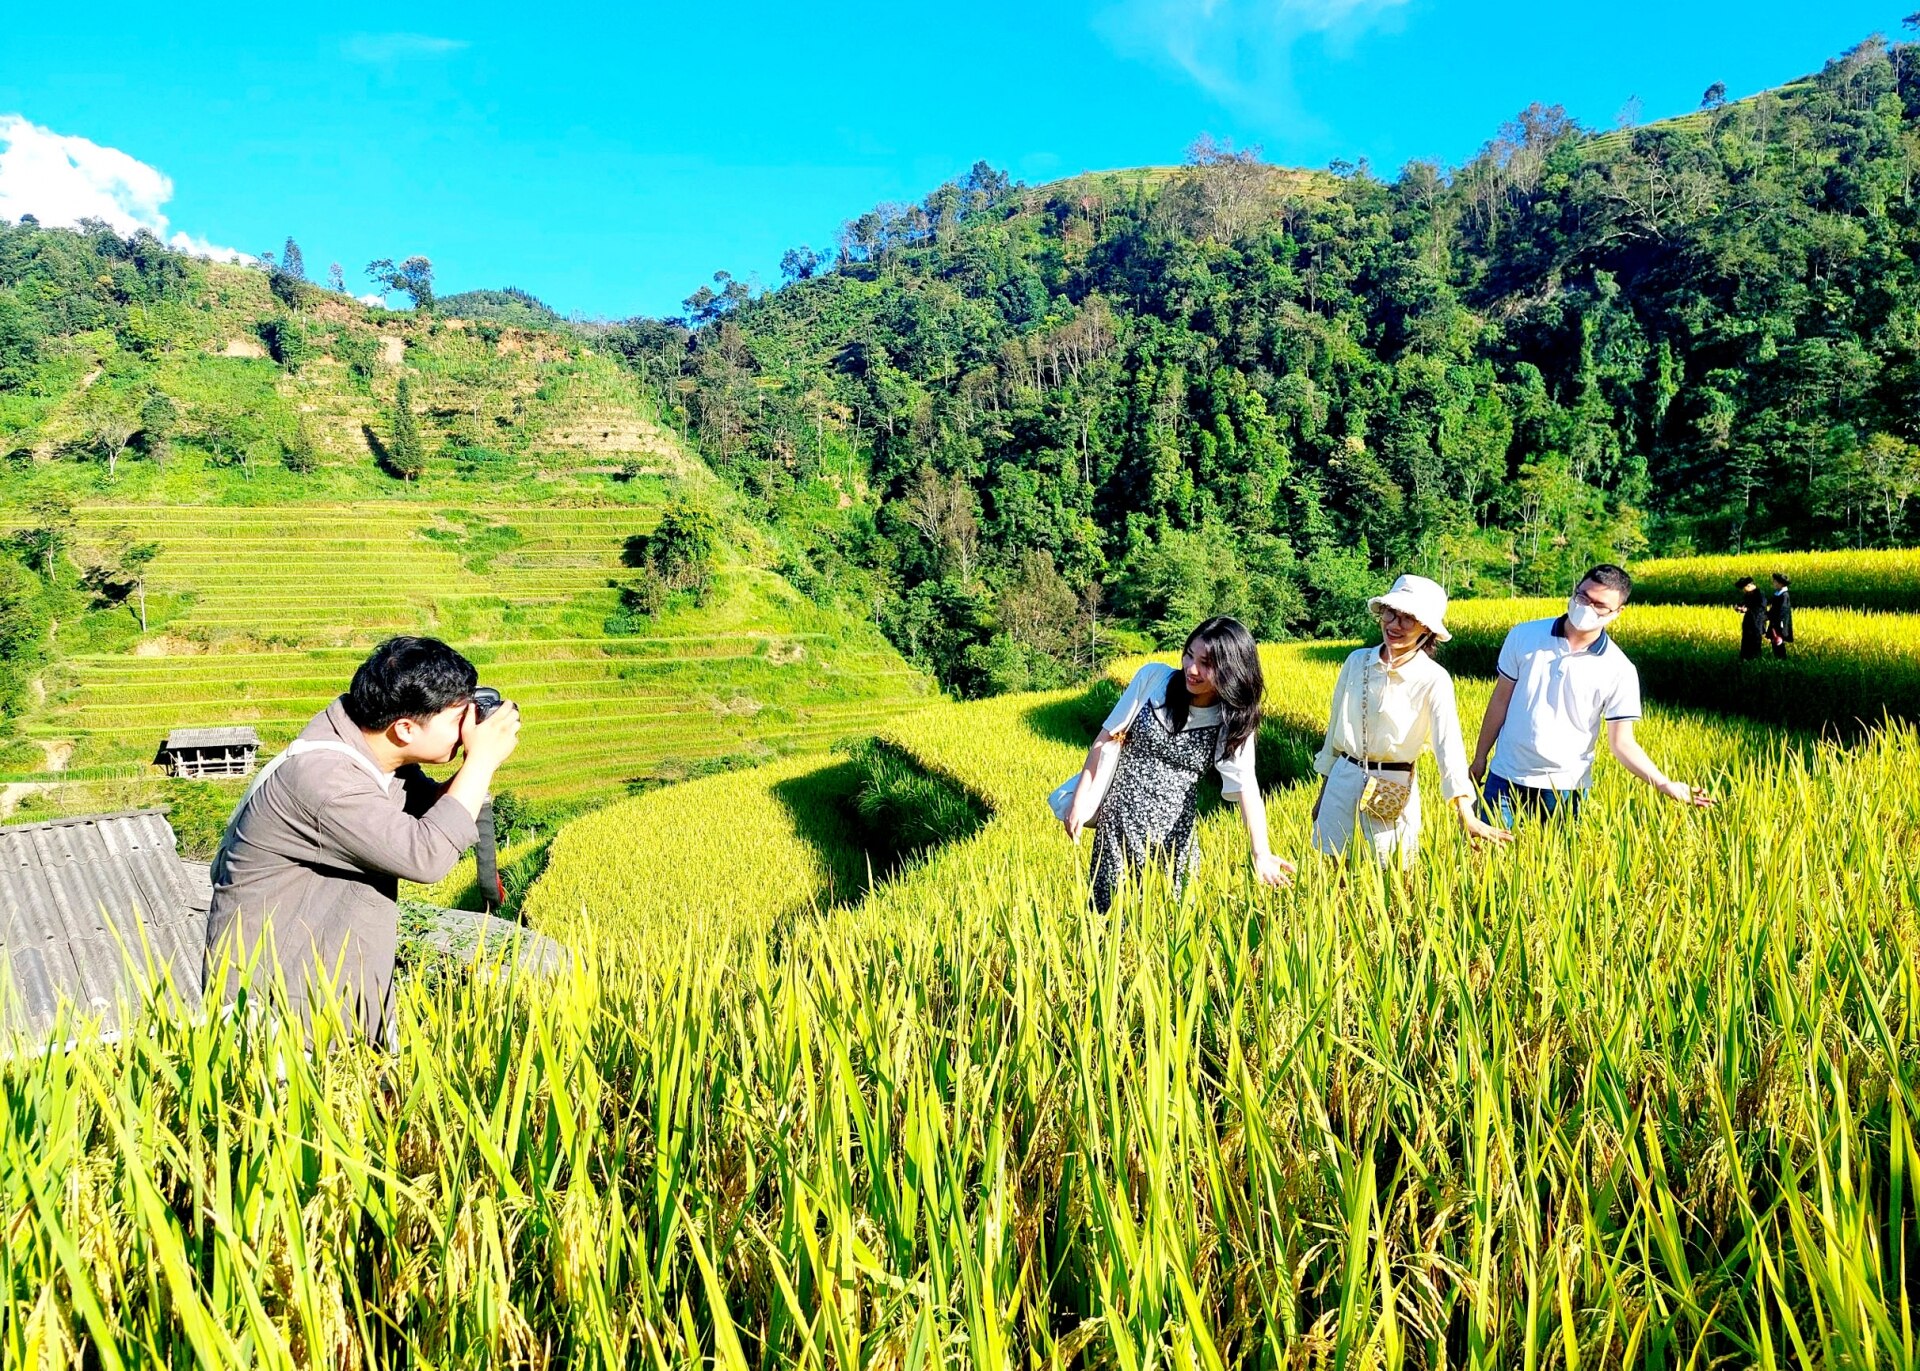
x=298, y=452
x=357, y=352
x=199, y=811
x=902, y=809
x=285, y=340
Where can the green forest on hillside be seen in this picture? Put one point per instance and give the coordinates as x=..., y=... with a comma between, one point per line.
x=1227, y=386
x=1016, y=427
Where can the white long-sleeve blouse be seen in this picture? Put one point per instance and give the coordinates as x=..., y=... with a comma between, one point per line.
x=1406, y=709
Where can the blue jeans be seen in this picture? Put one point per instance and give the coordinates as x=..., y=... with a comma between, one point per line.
x=1503, y=800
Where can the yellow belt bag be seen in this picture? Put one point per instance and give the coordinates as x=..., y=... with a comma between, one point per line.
x=1381, y=800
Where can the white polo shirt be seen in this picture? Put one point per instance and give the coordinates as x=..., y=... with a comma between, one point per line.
x=1560, y=699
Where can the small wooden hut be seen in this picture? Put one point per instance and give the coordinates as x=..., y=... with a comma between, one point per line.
x=202, y=753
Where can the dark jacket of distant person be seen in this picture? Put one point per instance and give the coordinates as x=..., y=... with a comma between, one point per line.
x=1753, y=620
x=1780, y=617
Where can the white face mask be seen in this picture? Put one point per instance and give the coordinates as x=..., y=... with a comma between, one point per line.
x=1583, y=617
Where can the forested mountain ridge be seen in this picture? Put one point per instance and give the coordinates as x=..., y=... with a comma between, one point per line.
x=1232, y=386
x=1005, y=420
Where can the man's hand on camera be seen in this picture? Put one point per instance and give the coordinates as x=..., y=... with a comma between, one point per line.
x=490, y=742
x=485, y=745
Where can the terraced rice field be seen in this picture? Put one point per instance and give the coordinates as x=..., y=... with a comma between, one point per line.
x=1873, y=579
x=260, y=616
x=343, y=570
x=1637, y=1091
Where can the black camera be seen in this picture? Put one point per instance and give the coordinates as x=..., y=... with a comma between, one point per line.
x=485, y=700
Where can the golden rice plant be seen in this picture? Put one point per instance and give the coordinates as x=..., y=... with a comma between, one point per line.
x=1882, y=579
x=1637, y=1091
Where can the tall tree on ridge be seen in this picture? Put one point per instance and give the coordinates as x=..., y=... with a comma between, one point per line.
x=413, y=278
x=406, y=455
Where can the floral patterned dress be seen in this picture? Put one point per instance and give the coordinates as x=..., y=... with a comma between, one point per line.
x=1151, y=806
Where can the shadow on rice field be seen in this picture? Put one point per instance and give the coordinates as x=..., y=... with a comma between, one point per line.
x=869, y=816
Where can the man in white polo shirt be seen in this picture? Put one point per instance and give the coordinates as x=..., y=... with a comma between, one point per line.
x=1560, y=679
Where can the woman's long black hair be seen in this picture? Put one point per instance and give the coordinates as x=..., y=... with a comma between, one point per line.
x=1226, y=646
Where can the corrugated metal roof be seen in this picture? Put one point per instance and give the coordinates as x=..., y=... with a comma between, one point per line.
x=86, y=906
x=91, y=906
x=235, y=736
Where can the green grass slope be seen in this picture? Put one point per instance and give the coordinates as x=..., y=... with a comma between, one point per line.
x=244, y=370
x=269, y=584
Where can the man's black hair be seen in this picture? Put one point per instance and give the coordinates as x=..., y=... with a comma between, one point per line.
x=408, y=678
x=1612, y=577
x=1782, y=578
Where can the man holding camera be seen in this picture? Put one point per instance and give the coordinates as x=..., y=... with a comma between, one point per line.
x=308, y=874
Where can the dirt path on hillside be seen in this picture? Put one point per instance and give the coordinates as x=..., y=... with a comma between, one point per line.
x=58, y=752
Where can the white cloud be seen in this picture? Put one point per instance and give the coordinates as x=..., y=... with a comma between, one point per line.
x=62, y=178
x=384, y=48
x=378, y=301
x=1239, y=51
x=200, y=247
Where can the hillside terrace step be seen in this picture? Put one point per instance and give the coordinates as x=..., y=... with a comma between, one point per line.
x=279, y=557
x=527, y=696
x=549, y=744
x=348, y=563
x=372, y=568
x=562, y=676
x=633, y=722
x=428, y=505
x=297, y=712
x=739, y=699
x=265, y=611
x=213, y=520
x=505, y=668
x=734, y=673
x=495, y=645
x=277, y=576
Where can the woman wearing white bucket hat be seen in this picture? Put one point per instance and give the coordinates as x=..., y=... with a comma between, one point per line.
x=1391, y=703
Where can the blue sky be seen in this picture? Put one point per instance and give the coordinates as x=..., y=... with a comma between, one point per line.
x=611, y=161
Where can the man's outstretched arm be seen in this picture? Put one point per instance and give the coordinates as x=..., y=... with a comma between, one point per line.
x=1635, y=759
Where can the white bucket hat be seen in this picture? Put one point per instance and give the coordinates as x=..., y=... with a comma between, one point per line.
x=1421, y=598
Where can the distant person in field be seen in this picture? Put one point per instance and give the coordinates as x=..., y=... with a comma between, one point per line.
x=1392, y=702
x=1560, y=680
x=1780, y=615
x=1753, y=618
x=309, y=870
x=1141, y=782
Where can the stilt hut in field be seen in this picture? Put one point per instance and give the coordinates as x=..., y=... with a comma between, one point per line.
x=205, y=753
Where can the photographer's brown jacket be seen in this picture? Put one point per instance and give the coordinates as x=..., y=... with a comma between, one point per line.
x=311, y=866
